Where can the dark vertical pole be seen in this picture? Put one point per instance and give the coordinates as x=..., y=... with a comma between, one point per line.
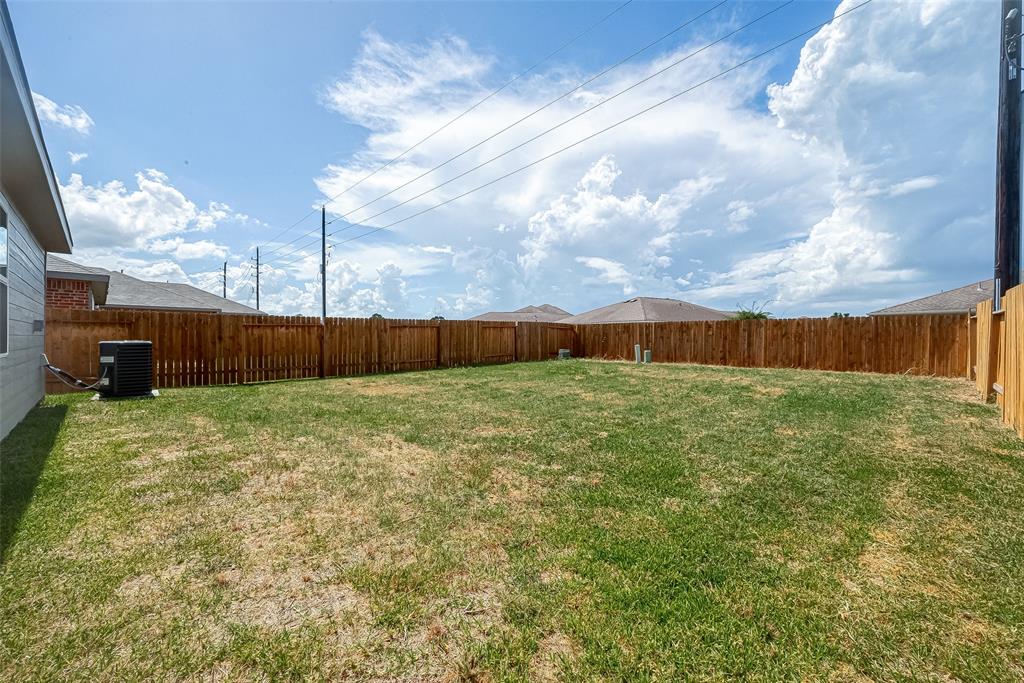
x=323, y=263
x=225, y=280
x=323, y=291
x=257, y=278
x=1007, y=257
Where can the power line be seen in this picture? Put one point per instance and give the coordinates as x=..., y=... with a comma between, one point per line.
x=464, y=113
x=580, y=114
x=486, y=98
x=311, y=213
x=606, y=129
x=522, y=119
x=549, y=130
x=538, y=110
x=599, y=132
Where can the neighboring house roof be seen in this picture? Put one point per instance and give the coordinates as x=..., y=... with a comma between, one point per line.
x=545, y=313
x=647, y=309
x=25, y=170
x=125, y=291
x=961, y=300
x=204, y=298
x=62, y=269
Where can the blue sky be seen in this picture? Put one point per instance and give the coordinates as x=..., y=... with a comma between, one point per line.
x=209, y=127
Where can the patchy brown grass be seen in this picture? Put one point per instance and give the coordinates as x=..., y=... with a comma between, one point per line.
x=554, y=652
x=549, y=522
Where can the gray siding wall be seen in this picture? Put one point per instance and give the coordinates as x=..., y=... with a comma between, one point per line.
x=21, y=371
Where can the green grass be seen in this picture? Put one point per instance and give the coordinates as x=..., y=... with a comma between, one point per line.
x=548, y=521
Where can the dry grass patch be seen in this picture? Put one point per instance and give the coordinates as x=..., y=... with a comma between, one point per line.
x=379, y=387
x=885, y=562
x=554, y=652
x=290, y=598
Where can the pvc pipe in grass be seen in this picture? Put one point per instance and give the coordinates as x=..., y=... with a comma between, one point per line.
x=647, y=356
x=636, y=350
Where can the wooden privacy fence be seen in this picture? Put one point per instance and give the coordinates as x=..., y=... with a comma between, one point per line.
x=914, y=344
x=999, y=364
x=195, y=349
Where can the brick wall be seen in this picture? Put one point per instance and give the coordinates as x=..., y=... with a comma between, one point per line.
x=67, y=293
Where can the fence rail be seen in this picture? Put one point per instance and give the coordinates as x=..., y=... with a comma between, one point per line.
x=196, y=349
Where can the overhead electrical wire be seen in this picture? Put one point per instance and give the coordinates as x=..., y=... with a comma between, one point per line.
x=607, y=128
x=513, y=124
x=533, y=113
x=283, y=232
x=487, y=97
x=582, y=113
x=552, y=128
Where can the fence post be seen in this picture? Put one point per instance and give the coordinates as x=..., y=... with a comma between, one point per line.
x=323, y=347
x=243, y=346
x=440, y=323
x=995, y=348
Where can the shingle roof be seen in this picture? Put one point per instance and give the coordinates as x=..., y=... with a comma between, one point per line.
x=56, y=266
x=125, y=291
x=545, y=313
x=647, y=309
x=960, y=300
x=62, y=269
x=208, y=298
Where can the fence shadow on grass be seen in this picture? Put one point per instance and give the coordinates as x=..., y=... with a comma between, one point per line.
x=23, y=455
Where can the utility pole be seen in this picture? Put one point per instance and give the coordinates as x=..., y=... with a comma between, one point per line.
x=323, y=291
x=323, y=263
x=1008, y=190
x=225, y=280
x=257, y=278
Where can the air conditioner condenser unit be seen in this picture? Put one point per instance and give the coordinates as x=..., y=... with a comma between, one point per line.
x=126, y=368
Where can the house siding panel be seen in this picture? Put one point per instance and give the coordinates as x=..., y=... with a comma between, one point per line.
x=21, y=372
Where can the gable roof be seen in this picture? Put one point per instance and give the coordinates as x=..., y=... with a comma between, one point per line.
x=99, y=279
x=545, y=313
x=960, y=300
x=126, y=291
x=25, y=170
x=647, y=309
x=57, y=266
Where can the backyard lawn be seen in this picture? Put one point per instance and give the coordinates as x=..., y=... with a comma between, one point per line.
x=538, y=521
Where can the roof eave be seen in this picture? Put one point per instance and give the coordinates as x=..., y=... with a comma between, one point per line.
x=67, y=275
x=161, y=308
x=58, y=238
x=937, y=311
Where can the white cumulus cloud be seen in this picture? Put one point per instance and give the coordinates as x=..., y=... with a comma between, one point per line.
x=112, y=214
x=70, y=116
